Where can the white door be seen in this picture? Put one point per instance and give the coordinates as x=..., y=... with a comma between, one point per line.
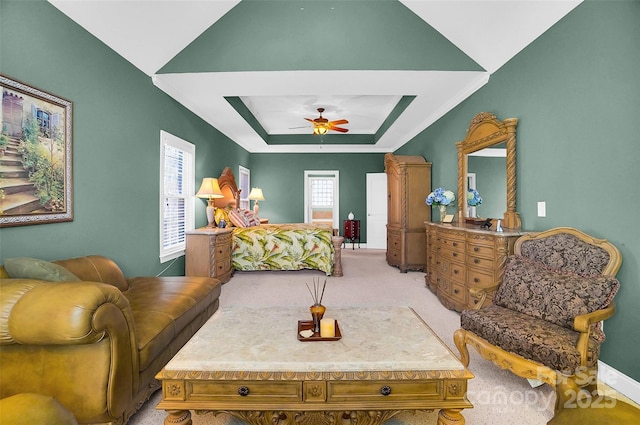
x=377, y=210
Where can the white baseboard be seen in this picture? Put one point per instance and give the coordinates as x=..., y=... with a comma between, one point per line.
x=620, y=382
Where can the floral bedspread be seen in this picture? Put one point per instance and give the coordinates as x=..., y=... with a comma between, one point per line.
x=283, y=247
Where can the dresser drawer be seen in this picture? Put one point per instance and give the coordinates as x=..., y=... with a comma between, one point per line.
x=255, y=392
x=458, y=292
x=383, y=390
x=478, y=250
x=451, y=255
x=485, y=263
x=478, y=279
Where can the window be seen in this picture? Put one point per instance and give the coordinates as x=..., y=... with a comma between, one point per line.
x=321, y=197
x=177, y=177
x=244, y=183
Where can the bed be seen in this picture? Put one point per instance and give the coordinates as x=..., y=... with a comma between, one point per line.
x=291, y=246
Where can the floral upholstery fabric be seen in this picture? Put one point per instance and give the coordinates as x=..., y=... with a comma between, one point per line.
x=283, y=247
x=532, y=338
x=566, y=252
x=555, y=296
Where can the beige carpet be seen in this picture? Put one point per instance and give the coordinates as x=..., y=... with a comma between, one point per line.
x=498, y=396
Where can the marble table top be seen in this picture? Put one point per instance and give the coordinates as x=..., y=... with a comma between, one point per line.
x=265, y=339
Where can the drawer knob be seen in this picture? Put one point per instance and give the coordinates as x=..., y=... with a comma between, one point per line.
x=243, y=391
x=476, y=249
x=455, y=271
x=476, y=280
x=455, y=254
x=386, y=390
x=455, y=244
x=455, y=291
x=476, y=261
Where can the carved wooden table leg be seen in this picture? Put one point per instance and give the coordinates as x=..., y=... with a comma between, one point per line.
x=450, y=417
x=178, y=417
x=337, y=255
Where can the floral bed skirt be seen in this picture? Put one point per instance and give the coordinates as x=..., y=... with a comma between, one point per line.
x=283, y=247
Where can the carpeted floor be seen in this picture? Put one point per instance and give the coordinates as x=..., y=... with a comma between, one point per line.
x=499, y=397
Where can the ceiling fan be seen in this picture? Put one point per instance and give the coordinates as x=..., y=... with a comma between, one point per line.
x=322, y=125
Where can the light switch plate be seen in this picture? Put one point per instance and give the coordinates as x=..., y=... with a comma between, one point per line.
x=542, y=209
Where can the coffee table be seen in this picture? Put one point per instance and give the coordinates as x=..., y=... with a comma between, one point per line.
x=249, y=363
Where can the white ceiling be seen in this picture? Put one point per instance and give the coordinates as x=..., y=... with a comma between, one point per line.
x=149, y=33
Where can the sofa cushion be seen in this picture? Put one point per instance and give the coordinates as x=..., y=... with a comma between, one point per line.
x=163, y=306
x=529, y=337
x=558, y=297
x=96, y=268
x=564, y=251
x=34, y=268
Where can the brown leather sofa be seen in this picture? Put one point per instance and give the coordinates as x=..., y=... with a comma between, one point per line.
x=96, y=344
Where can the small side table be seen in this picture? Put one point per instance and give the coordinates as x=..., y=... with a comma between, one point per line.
x=352, y=232
x=208, y=253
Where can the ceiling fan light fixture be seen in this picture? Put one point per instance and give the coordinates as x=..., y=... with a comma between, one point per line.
x=320, y=130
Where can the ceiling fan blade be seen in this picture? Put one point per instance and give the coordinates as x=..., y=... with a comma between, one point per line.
x=338, y=122
x=340, y=129
x=310, y=120
x=295, y=128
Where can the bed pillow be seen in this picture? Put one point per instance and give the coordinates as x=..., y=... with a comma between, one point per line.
x=251, y=218
x=33, y=268
x=237, y=218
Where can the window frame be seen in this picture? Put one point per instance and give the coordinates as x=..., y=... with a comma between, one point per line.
x=244, y=174
x=167, y=253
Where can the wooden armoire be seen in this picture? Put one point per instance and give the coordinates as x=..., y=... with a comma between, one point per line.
x=408, y=184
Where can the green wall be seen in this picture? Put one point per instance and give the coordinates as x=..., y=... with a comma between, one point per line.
x=576, y=93
x=118, y=115
x=281, y=177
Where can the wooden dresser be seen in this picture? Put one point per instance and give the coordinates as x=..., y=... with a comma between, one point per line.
x=408, y=184
x=460, y=257
x=208, y=253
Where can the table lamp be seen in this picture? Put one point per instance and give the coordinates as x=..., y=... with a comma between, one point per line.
x=256, y=195
x=210, y=189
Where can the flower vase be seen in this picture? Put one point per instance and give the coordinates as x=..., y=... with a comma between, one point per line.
x=317, y=311
x=443, y=212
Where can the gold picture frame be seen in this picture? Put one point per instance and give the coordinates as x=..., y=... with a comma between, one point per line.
x=36, y=175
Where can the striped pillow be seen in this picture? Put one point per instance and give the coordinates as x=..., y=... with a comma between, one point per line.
x=237, y=218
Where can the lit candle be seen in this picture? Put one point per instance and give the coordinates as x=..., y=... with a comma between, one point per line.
x=327, y=328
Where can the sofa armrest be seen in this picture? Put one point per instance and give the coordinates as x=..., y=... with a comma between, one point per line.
x=583, y=323
x=61, y=313
x=81, y=333
x=482, y=293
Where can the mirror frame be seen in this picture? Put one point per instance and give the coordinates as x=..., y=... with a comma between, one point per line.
x=486, y=130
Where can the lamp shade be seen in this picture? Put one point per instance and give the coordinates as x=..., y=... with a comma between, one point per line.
x=209, y=189
x=256, y=194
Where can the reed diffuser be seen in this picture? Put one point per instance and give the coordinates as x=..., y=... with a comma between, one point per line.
x=317, y=309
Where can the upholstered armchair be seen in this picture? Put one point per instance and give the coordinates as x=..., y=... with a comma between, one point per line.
x=545, y=320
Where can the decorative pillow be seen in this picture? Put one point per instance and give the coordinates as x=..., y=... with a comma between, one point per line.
x=237, y=218
x=222, y=214
x=33, y=268
x=552, y=295
x=251, y=218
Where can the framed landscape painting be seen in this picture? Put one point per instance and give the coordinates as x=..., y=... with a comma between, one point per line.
x=35, y=156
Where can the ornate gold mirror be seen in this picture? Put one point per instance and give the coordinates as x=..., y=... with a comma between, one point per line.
x=485, y=131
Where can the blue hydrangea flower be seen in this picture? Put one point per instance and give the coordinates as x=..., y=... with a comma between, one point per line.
x=440, y=196
x=473, y=198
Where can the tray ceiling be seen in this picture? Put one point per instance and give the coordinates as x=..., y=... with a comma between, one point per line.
x=255, y=69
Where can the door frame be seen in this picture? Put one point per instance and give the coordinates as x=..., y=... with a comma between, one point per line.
x=335, y=174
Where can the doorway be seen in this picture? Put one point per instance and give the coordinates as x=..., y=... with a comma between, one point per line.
x=321, y=197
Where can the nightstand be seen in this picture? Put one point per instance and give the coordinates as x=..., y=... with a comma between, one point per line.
x=208, y=253
x=352, y=232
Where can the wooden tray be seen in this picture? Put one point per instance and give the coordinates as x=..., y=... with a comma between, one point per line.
x=308, y=324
